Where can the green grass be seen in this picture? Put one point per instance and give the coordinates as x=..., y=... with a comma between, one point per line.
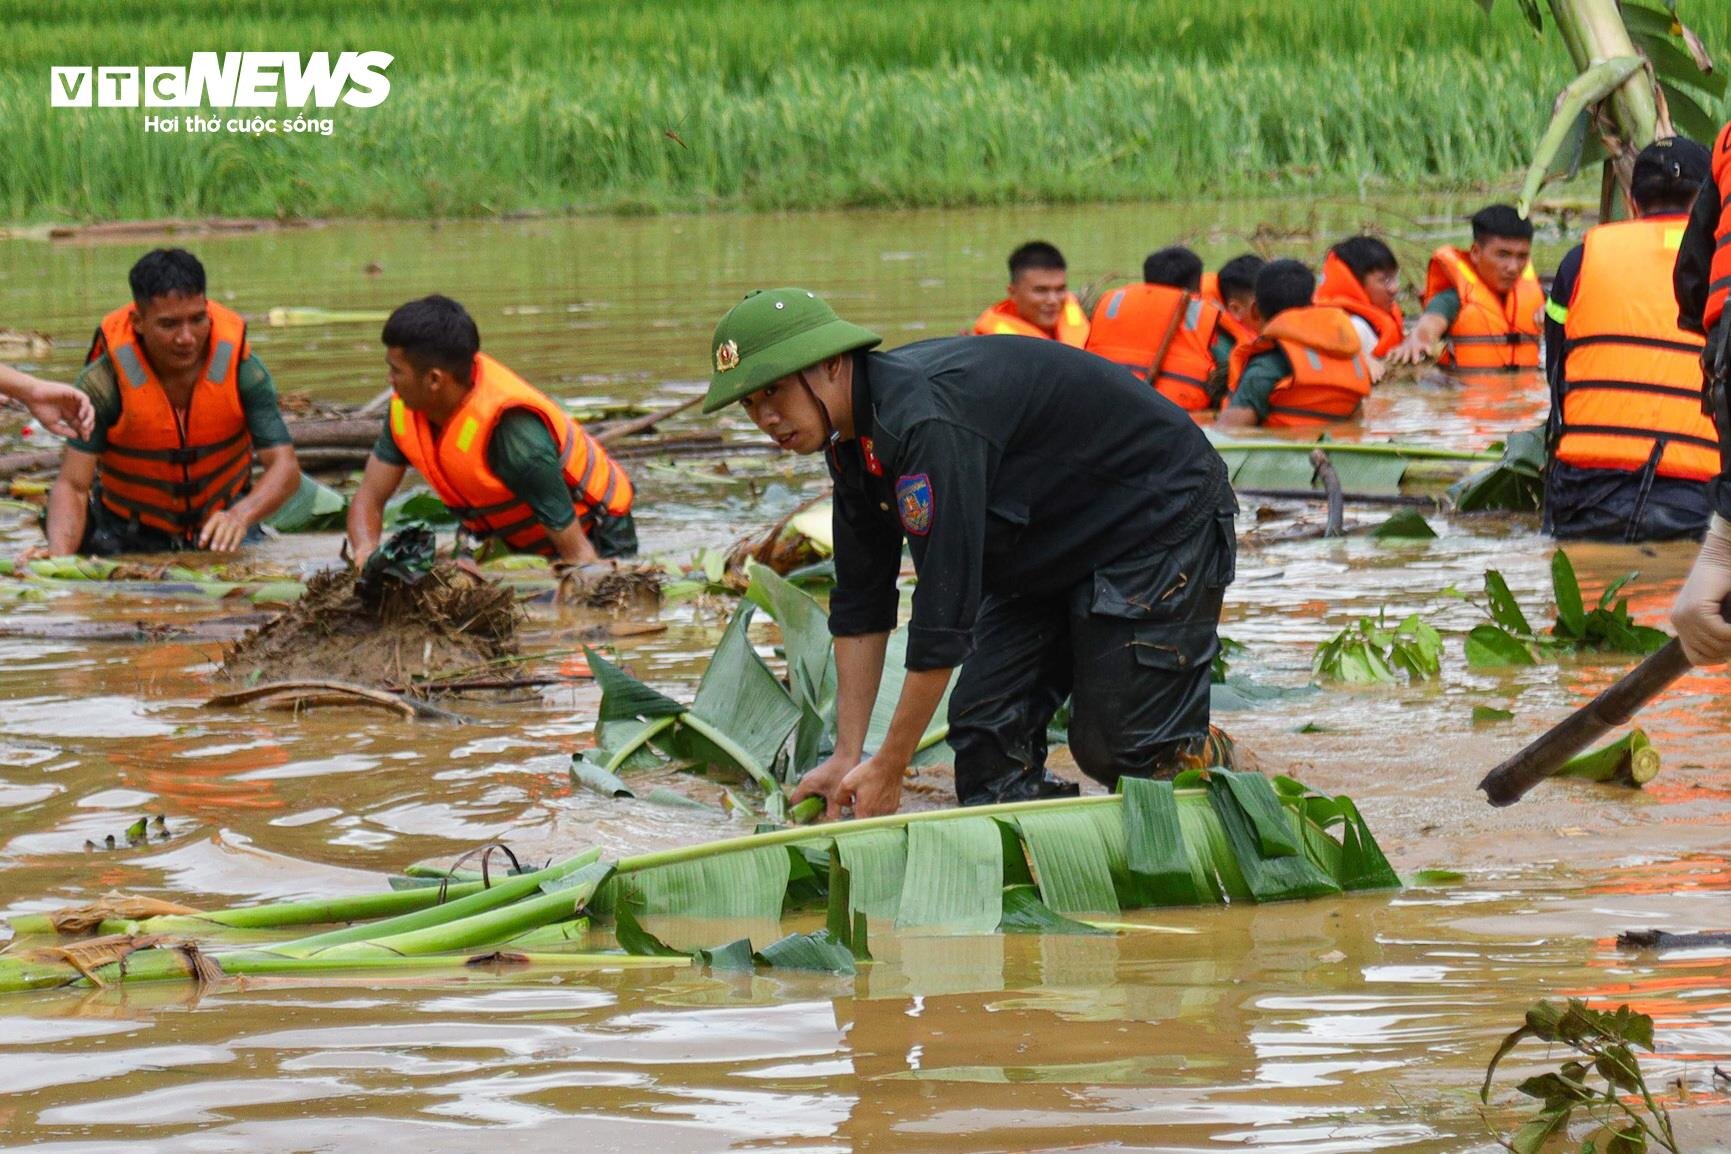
x=504, y=107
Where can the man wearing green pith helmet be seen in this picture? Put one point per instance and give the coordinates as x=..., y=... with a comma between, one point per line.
x=1071, y=530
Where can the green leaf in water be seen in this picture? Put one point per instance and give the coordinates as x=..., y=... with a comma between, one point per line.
x=1505, y=610
x=1489, y=715
x=1025, y=913
x=1571, y=613
x=1407, y=524
x=1491, y=646
x=637, y=941
x=819, y=951
x=592, y=775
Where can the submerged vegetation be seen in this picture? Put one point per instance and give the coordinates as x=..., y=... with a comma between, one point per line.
x=684, y=104
x=1600, y=1083
x=1013, y=868
x=1510, y=639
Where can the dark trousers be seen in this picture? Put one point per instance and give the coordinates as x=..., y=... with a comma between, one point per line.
x=107, y=534
x=614, y=536
x=1131, y=646
x=1612, y=505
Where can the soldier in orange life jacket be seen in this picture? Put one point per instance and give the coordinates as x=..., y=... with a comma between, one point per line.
x=1306, y=368
x=510, y=462
x=1486, y=301
x=182, y=410
x=1162, y=330
x=1361, y=275
x=1631, y=452
x=1232, y=290
x=1040, y=303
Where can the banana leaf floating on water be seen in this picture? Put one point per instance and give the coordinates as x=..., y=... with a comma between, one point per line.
x=238, y=581
x=1035, y=866
x=1365, y=470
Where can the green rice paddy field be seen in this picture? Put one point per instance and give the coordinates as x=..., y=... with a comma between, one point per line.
x=689, y=105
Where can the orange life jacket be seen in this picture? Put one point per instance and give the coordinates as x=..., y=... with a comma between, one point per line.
x=1342, y=289
x=1241, y=332
x=1631, y=387
x=1330, y=377
x=1003, y=318
x=454, y=460
x=1491, y=332
x=163, y=467
x=1719, y=272
x=1129, y=324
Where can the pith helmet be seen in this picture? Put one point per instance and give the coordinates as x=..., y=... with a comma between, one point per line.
x=770, y=334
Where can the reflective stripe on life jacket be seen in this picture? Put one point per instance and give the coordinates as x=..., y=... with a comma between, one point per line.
x=1341, y=288
x=454, y=460
x=1631, y=388
x=167, y=468
x=1719, y=272
x=1330, y=377
x=1241, y=332
x=1130, y=323
x=1491, y=332
x=1003, y=318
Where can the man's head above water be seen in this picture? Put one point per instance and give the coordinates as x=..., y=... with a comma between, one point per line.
x=1039, y=283
x=1502, y=246
x=781, y=355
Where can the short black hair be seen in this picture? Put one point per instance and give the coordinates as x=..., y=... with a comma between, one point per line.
x=163, y=272
x=1282, y=285
x=1175, y=266
x=1036, y=254
x=1500, y=220
x=1668, y=175
x=1237, y=277
x=434, y=333
x=1365, y=255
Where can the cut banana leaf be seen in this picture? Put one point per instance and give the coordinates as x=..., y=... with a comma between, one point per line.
x=1381, y=469
x=1270, y=877
x=954, y=876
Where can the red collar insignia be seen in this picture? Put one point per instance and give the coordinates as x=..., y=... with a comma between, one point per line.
x=873, y=466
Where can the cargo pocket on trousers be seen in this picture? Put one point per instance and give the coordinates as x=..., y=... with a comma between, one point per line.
x=1152, y=587
x=1180, y=648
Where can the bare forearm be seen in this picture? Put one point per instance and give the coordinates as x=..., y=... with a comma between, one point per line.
x=19, y=386
x=572, y=545
x=1429, y=330
x=921, y=692
x=859, y=667
x=68, y=508
x=366, y=519
x=279, y=481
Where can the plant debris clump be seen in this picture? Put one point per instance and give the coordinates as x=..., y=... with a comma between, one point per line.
x=450, y=619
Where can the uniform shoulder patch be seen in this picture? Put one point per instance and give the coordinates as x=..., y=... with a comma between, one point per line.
x=914, y=503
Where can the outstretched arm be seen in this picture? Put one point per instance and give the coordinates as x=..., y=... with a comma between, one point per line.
x=367, y=510
x=63, y=410
x=1418, y=344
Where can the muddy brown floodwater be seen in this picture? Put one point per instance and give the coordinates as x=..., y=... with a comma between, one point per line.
x=1328, y=1026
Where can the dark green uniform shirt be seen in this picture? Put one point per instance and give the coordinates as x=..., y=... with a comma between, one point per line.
x=257, y=399
x=1447, y=305
x=1010, y=465
x=521, y=453
x=1261, y=373
x=1222, y=349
